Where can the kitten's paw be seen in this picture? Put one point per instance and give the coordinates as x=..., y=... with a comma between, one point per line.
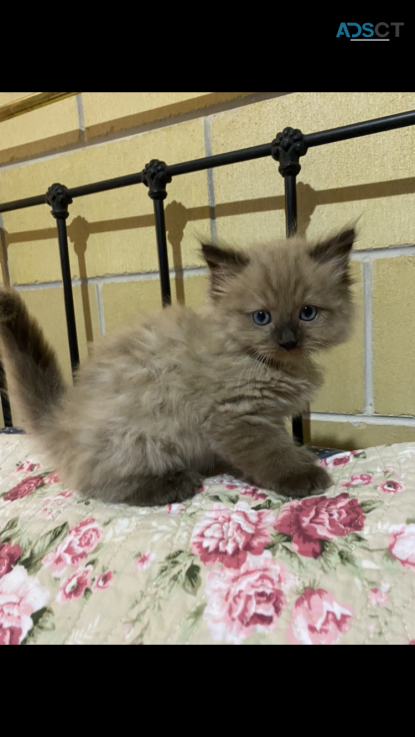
x=314, y=480
x=173, y=487
x=181, y=485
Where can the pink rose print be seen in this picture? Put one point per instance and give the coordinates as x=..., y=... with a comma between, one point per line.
x=103, y=581
x=10, y=635
x=391, y=487
x=58, y=560
x=402, y=544
x=87, y=535
x=63, y=495
x=79, y=542
x=337, y=461
x=52, y=478
x=23, y=488
x=318, y=619
x=74, y=587
x=314, y=519
x=359, y=480
x=340, y=459
x=412, y=642
x=20, y=596
x=144, y=561
x=245, y=489
x=251, y=598
x=175, y=508
x=8, y=556
x=227, y=534
x=379, y=596
x=250, y=491
x=253, y=493
x=54, y=501
x=28, y=467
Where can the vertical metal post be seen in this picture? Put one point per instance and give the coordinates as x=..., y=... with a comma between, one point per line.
x=290, y=188
x=58, y=198
x=287, y=148
x=162, y=252
x=68, y=294
x=5, y=404
x=155, y=176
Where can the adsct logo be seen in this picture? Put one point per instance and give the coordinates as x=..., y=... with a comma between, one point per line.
x=369, y=31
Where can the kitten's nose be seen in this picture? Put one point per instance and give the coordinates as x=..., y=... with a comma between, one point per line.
x=287, y=338
x=290, y=345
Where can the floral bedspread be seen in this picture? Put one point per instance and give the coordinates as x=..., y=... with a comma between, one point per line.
x=236, y=564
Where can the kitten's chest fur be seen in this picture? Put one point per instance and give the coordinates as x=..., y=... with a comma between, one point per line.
x=271, y=392
x=186, y=368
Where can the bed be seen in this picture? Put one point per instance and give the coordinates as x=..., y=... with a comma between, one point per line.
x=234, y=565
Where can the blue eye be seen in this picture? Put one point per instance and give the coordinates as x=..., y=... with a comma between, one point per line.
x=261, y=318
x=308, y=313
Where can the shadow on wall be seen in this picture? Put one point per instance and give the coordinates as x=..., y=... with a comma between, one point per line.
x=178, y=216
x=327, y=441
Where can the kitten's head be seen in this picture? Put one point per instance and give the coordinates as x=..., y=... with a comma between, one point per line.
x=284, y=300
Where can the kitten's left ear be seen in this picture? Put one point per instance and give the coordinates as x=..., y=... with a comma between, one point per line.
x=335, y=248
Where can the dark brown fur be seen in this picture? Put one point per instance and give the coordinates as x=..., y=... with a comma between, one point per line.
x=162, y=401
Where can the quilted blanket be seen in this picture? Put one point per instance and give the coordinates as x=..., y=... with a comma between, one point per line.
x=234, y=565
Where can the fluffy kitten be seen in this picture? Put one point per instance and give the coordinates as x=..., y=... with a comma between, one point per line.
x=163, y=400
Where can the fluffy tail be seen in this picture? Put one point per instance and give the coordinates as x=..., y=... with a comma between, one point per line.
x=33, y=376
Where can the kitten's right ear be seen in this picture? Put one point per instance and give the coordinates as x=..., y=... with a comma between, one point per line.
x=337, y=246
x=222, y=264
x=336, y=250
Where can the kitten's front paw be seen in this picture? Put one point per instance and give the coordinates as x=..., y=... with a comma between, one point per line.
x=312, y=481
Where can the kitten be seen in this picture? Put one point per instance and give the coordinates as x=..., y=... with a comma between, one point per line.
x=160, y=402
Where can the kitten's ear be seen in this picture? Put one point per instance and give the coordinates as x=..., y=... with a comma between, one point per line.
x=223, y=264
x=336, y=247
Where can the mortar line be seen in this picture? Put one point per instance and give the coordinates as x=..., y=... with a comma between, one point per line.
x=373, y=254
x=394, y=420
x=116, y=278
x=368, y=338
x=81, y=119
x=210, y=184
x=100, y=305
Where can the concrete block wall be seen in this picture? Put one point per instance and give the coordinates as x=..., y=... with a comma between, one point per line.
x=369, y=394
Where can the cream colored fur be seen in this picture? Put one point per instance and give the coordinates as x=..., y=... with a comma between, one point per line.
x=158, y=404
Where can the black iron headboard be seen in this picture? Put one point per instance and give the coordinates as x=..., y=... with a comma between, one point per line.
x=286, y=148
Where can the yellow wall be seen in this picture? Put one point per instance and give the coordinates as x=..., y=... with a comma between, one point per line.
x=369, y=394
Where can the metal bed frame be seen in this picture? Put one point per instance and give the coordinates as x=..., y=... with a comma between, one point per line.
x=286, y=148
